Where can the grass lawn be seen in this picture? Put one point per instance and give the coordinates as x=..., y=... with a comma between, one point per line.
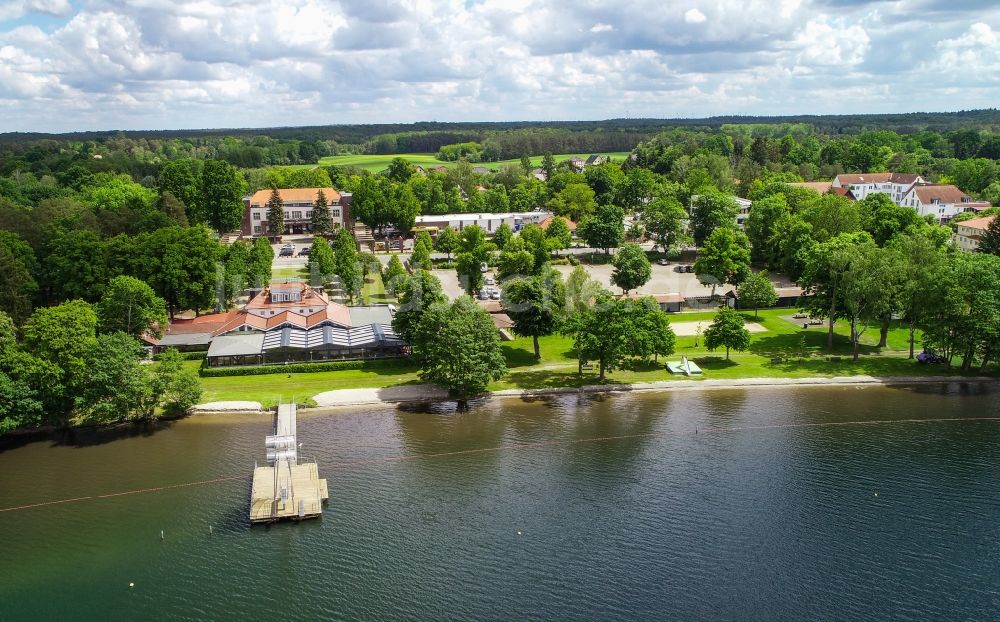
x=375, y=163
x=373, y=291
x=288, y=272
x=802, y=352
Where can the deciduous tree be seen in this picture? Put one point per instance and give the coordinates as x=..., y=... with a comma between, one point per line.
x=534, y=304
x=631, y=268
x=131, y=306
x=723, y=258
x=416, y=293
x=757, y=291
x=727, y=331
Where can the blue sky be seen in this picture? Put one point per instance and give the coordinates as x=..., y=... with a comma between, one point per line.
x=161, y=64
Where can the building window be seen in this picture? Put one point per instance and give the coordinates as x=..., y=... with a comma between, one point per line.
x=258, y=230
x=309, y=214
x=296, y=215
x=256, y=215
x=288, y=215
x=335, y=213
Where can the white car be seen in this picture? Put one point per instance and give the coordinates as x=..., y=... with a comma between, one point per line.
x=662, y=261
x=490, y=281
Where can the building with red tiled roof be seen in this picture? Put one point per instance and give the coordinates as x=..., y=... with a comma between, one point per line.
x=942, y=201
x=298, y=208
x=862, y=184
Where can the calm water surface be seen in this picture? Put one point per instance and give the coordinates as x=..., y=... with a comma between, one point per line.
x=701, y=505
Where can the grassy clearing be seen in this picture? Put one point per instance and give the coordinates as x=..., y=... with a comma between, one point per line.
x=373, y=291
x=375, y=163
x=802, y=352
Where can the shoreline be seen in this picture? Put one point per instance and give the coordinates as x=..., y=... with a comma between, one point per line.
x=332, y=401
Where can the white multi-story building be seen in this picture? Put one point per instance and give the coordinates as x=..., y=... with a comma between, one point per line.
x=896, y=185
x=969, y=232
x=298, y=208
x=487, y=222
x=942, y=201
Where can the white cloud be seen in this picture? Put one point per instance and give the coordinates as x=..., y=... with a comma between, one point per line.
x=184, y=63
x=694, y=16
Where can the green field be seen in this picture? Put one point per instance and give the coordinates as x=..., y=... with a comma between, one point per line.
x=375, y=163
x=802, y=352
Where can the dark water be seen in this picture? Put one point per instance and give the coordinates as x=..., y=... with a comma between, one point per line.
x=759, y=515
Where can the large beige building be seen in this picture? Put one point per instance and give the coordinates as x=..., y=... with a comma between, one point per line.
x=298, y=207
x=969, y=232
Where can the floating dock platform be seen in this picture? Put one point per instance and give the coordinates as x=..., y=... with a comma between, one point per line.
x=287, y=488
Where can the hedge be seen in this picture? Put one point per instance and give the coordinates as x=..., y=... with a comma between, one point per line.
x=301, y=368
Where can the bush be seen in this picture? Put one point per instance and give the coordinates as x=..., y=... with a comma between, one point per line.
x=573, y=261
x=301, y=368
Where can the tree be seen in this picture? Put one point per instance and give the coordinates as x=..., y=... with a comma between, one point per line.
x=475, y=251
x=757, y=291
x=63, y=335
x=17, y=286
x=728, y=331
x=664, y=220
x=605, y=229
x=447, y=241
x=259, y=264
x=538, y=244
x=322, y=265
x=416, y=293
x=603, y=332
x=548, y=165
x=724, y=258
x=320, y=222
x=20, y=406
x=421, y=257
x=761, y=223
x=180, y=265
x=400, y=170
x=558, y=234
x=826, y=264
x=868, y=288
x=114, y=387
x=73, y=266
x=574, y=201
x=222, y=190
x=174, y=388
x=526, y=167
x=181, y=179
x=236, y=266
x=631, y=268
x=275, y=213
x=132, y=307
x=470, y=274
x=502, y=235
x=515, y=260
x=458, y=348
x=791, y=241
x=923, y=272
x=830, y=215
x=990, y=241
x=534, y=305
x=394, y=272
x=173, y=208
x=652, y=334
x=373, y=201
x=883, y=219
x=404, y=208
x=345, y=256
x=710, y=211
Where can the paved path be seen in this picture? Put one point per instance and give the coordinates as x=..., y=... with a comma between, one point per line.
x=689, y=329
x=387, y=395
x=231, y=406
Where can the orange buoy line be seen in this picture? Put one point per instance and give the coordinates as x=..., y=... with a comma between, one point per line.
x=515, y=446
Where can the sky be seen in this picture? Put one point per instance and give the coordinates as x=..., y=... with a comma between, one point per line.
x=68, y=65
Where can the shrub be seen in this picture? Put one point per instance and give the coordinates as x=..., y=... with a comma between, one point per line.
x=301, y=368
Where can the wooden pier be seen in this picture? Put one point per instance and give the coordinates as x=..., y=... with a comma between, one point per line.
x=286, y=488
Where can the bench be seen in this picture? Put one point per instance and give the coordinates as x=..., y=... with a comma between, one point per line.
x=586, y=367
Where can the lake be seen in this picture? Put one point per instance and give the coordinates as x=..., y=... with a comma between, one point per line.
x=862, y=503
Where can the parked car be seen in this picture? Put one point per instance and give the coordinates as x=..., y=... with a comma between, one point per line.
x=483, y=294
x=286, y=252
x=930, y=358
x=490, y=280
x=305, y=251
x=663, y=261
x=483, y=267
x=495, y=294
x=689, y=269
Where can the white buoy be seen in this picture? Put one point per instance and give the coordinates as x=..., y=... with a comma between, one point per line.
x=161, y=534
x=130, y=584
x=876, y=494
x=519, y=533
